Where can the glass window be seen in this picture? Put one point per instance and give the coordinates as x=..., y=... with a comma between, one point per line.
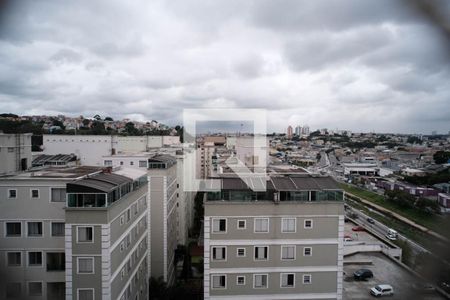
x=34, y=228
x=260, y=281
x=261, y=252
x=307, y=251
x=219, y=225
x=56, y=261
x=57, y=229
x=86, y=265
x=13, y=229
x=218, y=281
x=241, y=252
x=240, y=280
x=108, y=162
x=308, y=224
x=34, y=193
x=12, y=194
x=287, y=280
x=85, y=234
x=261, y=225
x=288, y=252
x=35, y=259
x=288, y=225
x=14, y=259
x=241, y=224
x=306, y=279
x=85, y=294
x=219, y=253
x=58, y=195
x=34, y=288
x=142, y=164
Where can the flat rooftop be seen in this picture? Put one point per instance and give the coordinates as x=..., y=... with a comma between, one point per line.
x=56, y=173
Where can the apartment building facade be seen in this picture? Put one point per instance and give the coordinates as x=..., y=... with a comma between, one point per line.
x=163, y=192
x=74, y=233
x=107, y=236
x=282, y=243
x=32, y=230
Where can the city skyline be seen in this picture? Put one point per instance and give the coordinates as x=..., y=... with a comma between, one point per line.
x=386, y=71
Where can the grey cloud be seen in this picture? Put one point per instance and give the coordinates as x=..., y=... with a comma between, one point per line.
x=66, y=56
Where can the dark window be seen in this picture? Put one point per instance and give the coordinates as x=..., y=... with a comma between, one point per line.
x=34, y=193
x=14, y=229
x=12, y=194
x=57, y=229
x=35, y=258
x=35, y=288
x=34, y=228
x=56, y=261
x=56, y=290
x=85, y=234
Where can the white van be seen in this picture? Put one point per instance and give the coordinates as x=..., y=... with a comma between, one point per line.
x=382, y=290
x=391, y=234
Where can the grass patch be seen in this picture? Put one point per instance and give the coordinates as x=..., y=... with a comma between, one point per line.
x=436, y=223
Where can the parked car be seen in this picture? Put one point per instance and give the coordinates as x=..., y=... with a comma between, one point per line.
x=348, y=238
x=382, y=290
x=370, y=220
x=358, y=228
x=362, y=274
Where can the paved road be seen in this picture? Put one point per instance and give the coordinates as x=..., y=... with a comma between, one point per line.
x=382, y=229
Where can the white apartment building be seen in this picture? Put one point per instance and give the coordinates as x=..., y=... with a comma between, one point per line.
x=15, y=152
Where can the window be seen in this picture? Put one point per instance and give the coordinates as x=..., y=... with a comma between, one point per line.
x=10, y=149
x=307, y=251
x=288, y=225
x=34, y=228
x=34, y=288
x=58, y=195
x=13, y=229
x=34, y=193
x=131, y=163
x=85, y=265
x=14, y=259
x=108, y=162
x=219, y=281
x=12, y=194
x=306, y=279
x=58, y=229
x=13, y=290
x=122, y=246
x=261, y=225
x=121, y=163
x=219, y=253
x=85, y=294
x=219, y=225
x=56, y=261
x=122, y=219
x=287, y=252
x=260, y=281
x=241, y=252
x=34, y=259
x=308, y=224
x=128, y=215
x=287, y=280
x=241, y=224
x=56, y=290
x=142, y=164
x=261, y=252
x=84, y=234
x=240, y=280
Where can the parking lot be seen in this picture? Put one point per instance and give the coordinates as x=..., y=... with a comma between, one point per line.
x=385, y=271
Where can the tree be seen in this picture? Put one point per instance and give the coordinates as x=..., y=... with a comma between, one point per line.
x=441, y=157
x=58, y=123
x=109, y=119
x=130, y=129
x=97, y=117
x=98, y=128
x=86, y=122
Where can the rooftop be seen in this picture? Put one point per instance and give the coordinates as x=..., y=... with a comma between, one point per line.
x=58, y=173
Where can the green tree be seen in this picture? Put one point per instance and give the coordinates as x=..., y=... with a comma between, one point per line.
x=97, y=117
x=441, y=157
x=109, y=119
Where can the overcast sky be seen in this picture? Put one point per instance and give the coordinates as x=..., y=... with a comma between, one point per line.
x=363, y=65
